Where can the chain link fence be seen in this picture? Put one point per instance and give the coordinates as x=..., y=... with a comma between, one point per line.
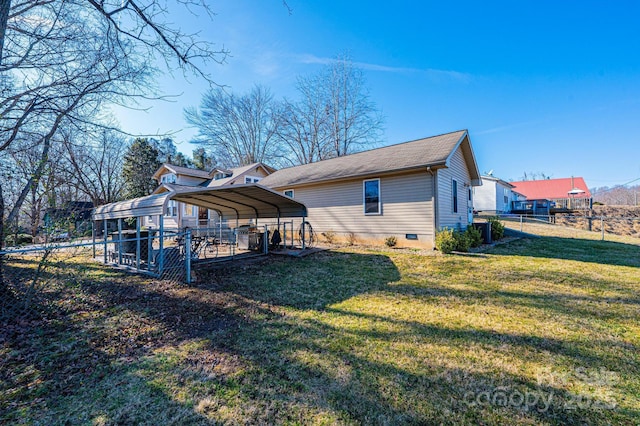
x=27, y=272
x=578, y=226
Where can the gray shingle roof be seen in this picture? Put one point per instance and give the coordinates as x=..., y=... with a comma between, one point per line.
x=188, y=171
x=430, y=151
x=236, y=172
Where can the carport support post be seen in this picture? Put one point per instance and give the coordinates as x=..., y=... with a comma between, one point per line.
x=104, y=232
x=265, y=240
x=93, y=237
x=138, y=243
x=187, y=257
x=149, y=250
x=119, y=241
x=304, y=217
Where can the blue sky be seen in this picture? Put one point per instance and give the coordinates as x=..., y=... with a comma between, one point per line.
x=549, y=87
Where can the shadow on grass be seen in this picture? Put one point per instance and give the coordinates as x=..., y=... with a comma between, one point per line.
x=119, y=361
x=312, y=282
x=61, y=367
x=591, y=251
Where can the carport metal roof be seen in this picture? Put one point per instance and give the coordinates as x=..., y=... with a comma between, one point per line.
x=248, y=201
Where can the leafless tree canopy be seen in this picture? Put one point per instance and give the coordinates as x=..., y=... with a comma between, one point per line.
x=618, y=195
x=93, y=164
x=535, y=176
x=239, y=130
x=334, y=115
x=64, y=61
x=304, y=125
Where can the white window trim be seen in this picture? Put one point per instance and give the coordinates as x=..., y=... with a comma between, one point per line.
x=253, y=179
x=289, y=190
x=194, y=211
x=168, y=178
x=171, y=208
x=364, y=198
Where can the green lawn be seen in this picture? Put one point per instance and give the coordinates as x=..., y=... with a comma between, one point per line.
x=536, y=331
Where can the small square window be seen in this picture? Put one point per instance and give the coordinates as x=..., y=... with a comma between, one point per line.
x=288, y=193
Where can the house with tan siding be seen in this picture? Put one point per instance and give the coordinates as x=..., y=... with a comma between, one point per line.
x=408, y=190
x=172, y=178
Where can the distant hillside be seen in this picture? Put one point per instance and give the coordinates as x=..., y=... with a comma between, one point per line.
x=617, y=196
x=619, y=220
x=617, y=211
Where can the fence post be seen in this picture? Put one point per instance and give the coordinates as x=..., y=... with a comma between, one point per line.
x=138, y=243
x=602, y=226
x=284, y=234
x=187, y=257
x=520, y=223
x=119, y=241
x=93, y=237
x=104, y=231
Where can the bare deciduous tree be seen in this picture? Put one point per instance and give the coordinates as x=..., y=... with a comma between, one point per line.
x=63, y=61
x=303, y=125
x=355, y=123
x=619, y=195
x=239, y=130
x=334, y=115
x=95, y=164
x=5, y=6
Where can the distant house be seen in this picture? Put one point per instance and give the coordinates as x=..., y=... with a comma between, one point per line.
x=557, y=195
x=494, y=196
x=409, y=190
x=174, y=178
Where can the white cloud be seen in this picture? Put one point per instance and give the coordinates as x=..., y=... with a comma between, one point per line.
x=507, y=127
x=430, y=72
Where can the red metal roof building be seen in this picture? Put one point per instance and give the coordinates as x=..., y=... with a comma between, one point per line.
x=567, y=193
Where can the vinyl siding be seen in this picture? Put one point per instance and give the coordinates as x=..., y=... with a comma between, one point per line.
x=501, y=206
x=457, y=170
x=484, y=196
x=406, y=204
x=490, y=197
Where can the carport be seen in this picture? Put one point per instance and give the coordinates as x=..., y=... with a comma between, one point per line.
x=147, y=250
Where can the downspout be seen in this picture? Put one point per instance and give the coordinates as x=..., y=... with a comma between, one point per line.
x=434, y=190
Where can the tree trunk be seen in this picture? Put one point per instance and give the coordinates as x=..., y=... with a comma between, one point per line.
x=5, y=5
x=6, y=296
